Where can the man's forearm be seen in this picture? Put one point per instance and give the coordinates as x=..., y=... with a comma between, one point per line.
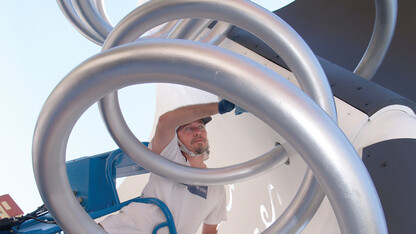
x=209, y=229
x=187, y=114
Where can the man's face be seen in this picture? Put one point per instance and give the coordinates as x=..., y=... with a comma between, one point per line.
x=194, y=136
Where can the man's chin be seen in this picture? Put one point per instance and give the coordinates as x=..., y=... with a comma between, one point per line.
x=200, y=150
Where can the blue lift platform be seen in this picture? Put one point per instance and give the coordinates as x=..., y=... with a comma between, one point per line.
x=93, y=180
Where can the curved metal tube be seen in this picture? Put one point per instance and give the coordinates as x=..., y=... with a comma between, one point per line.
x=298, y=214
x=217, y=34
x=99, y=4
x=88, y=29
x=253, y=18
x=270, y=97
x=92, y=19
x=189, y=29
x=165, y=30
x=385, y=23
x=211, y=176
x=69, y=11
x=265, y=25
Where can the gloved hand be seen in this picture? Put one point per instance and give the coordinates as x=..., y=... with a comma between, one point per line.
x=239, y=110
x=225, y=106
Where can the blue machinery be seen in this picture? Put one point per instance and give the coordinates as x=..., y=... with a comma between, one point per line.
x=93, y=182
x=270, y=97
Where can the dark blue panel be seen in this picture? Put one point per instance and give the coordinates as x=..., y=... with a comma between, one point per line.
x=358, y=92
x=392, y=166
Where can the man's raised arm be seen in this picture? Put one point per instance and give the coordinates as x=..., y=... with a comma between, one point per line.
x=169, y=121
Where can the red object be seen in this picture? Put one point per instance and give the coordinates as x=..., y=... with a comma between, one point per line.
x=9, y=208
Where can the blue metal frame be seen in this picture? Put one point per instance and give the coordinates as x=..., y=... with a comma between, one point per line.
x=93, y=181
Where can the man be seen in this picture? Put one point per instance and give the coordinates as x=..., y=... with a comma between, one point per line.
x=181, y=137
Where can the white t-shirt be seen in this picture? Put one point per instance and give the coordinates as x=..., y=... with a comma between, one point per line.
x=190, y=205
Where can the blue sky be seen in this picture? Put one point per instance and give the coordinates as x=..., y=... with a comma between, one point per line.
x=38, y=48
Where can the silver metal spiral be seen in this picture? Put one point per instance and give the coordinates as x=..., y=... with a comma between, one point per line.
x=350, y=192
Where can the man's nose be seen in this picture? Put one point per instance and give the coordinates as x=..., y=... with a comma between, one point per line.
x=198, y=131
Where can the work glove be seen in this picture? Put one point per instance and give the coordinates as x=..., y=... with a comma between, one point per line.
x=225, y=106
x=238, y=110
